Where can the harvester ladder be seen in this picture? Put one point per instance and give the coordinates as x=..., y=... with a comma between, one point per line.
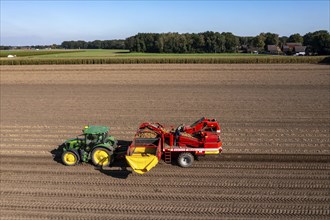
x=168, y=156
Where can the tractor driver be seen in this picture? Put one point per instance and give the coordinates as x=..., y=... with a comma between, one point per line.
x=91, y=139
x=177, y=134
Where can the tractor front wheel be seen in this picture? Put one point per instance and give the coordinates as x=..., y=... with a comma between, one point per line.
x=185, y=159
x=70, y=158
x=101, y=157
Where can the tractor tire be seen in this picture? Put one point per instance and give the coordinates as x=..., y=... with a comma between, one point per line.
x=185, y=160
x=70, y=158
x=102, y=157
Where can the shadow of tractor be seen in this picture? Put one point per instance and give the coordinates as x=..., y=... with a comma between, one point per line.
x=117, y=170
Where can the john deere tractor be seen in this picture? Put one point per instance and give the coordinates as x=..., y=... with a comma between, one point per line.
x=94, y=144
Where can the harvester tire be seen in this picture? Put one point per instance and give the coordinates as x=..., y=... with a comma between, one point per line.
x=185, y=160
x=101, y=157
x=70, y=158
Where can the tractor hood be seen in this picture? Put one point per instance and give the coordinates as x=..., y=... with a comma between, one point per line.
x=71, y=143
x=71, y=140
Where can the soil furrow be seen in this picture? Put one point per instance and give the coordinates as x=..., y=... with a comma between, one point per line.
x=275, y=130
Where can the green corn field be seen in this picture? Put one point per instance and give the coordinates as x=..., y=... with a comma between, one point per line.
x=124, y=57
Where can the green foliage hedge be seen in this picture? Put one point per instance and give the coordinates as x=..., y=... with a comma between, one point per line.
x=164, y=60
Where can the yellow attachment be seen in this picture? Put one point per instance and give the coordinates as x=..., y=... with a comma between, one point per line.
x=212, y=152
x=101, y=157
x=69, y=158
x=142, y=163
x=143, y=159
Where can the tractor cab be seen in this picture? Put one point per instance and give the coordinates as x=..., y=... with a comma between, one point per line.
x=95, y=134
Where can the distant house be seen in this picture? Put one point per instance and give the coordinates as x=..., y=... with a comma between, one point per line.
x=286, y=49
x=248, y=49
x=273, y=49
x=299, y=49
x=292, y=45
x=251, y=49
x=290, y=48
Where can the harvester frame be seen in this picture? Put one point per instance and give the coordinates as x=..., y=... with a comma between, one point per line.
x=199, y=139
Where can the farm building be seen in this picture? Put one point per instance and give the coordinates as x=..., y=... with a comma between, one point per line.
x=273, y=49
x=299, y=49
x=290, y=48
x=254, y=50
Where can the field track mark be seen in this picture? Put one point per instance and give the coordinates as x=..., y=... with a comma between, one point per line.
x=9, y=193
x=275, y=131
x=261, y=184
x=54, y=214
x=160, y=174
x=168, y=208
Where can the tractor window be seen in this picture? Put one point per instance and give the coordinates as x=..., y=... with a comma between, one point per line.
x=103, y=137
x=91, y=138
x=100, y=138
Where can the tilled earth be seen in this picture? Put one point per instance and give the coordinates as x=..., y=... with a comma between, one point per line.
x=275, y=122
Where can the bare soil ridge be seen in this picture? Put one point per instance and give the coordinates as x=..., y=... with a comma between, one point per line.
x=275, y=129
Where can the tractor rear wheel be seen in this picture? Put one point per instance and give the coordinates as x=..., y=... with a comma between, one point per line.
x=70, y=158
x=185, y=159
x=101, y=157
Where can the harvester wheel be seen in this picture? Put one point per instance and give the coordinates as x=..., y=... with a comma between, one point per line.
x=185, y=159
x=101, y=157
x=70, y=158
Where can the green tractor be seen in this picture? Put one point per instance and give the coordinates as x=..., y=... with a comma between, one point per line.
x=94, y=144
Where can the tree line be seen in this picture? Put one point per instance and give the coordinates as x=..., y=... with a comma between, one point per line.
x=215, y=42
x=317, y=42
x=80, y=44
x=96, y=44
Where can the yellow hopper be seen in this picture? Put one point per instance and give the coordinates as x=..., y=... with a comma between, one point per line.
x=142, y=158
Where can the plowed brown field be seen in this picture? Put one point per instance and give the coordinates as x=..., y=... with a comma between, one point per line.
x=276, y=134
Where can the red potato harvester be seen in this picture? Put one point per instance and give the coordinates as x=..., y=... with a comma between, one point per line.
x=184, y=143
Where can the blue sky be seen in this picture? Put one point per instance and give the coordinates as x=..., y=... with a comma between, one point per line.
x=46, y=22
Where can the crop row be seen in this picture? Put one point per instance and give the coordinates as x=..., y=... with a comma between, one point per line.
x=155, y=60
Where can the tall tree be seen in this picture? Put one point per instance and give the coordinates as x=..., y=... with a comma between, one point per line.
x=220, y=43
x=318, y=42
x=259, y=42
x=295, y=38
x=198, y=42
x=231, y=42
x=283, y=40
x=210, y=42
x=270, y=39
